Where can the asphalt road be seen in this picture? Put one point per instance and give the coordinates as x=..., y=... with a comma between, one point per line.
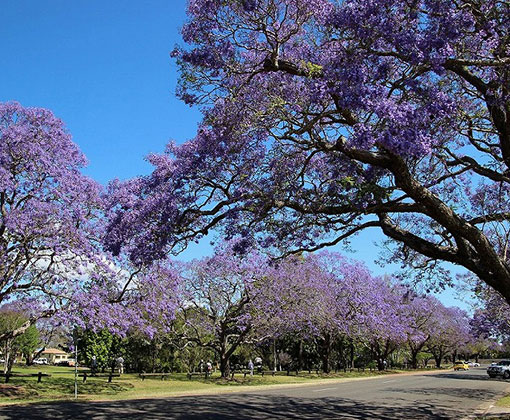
x=445, y=395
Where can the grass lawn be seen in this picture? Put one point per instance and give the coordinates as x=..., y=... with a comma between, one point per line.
x=60, y=385
x=504, y=402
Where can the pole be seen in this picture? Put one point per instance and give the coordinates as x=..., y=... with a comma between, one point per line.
x=75, y=364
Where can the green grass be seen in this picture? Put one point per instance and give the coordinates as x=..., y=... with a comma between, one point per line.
x=504, y=402
x=60, y=385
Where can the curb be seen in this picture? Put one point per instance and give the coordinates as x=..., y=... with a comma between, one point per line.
x=488, y=408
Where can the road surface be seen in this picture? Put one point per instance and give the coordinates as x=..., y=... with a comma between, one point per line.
x=444, y=395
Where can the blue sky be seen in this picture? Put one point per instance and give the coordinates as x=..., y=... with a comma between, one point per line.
x=104, y=68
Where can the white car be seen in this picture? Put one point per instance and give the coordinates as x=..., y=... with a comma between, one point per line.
x=40, y=361
x=500, y=369
x=474, y=364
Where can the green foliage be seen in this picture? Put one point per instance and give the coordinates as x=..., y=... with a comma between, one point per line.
x=11, y=320
x=102, y=344
x=314, y=70
x=424, y=358
x=27, y=342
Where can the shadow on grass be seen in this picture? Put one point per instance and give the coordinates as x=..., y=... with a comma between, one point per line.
x=279, y=378
x=14, y=391
x=59, y=388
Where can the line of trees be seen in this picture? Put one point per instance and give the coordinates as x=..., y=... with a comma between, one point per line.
x=307, y=311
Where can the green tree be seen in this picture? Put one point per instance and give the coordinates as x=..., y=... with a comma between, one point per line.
x=102, y=344
x=27, y=343
x=10, y=320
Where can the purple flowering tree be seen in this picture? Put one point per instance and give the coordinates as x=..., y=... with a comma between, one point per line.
x=452, y=333
x=325, y=118
x=492, y=318
x=301, y=298
x=124, y=299
x=386, y=324
x=51, y=226
x=47, y=212
x=219, y=295
x=424, y=315
x=332, y=299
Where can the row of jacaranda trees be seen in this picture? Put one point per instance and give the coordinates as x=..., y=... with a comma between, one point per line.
x=303, y=312
x=59, y=259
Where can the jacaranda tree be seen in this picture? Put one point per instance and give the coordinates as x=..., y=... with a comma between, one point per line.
x=218, y=301
x=452, y=333
x=492, y=318
x=123, y=299
x=47, y=212
x=323, y=118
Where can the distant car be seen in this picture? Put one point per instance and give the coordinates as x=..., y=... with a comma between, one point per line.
x=40, y=361
x=474, y=364
x=500, y=369
x=460, y=365
x=62, y=363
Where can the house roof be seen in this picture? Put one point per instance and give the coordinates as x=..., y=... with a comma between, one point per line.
x=53, y=351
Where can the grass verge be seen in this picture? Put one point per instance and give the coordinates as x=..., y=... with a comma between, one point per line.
x=60, y=386
x=504, y=402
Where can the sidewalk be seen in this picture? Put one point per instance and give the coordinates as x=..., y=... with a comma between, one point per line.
x=494, y=412
x=491, y=411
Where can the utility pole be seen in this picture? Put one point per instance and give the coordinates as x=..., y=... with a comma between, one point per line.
x=75, y=336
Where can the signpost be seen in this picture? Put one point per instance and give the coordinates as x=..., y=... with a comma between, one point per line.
x=75, y=336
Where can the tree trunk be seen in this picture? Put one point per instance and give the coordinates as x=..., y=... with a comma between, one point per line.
x=414, y=358
x=224, y=366
x=28, y=359
x=326, y=350
x=274, y=354
x=300, y=355
x=438, y=357
x=9, y=359
x=225, y=352
x=6, y=356
x=377, y=355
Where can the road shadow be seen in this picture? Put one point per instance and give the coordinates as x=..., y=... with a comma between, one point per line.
x=238, y=406
x=479, y=394
x=466, y=376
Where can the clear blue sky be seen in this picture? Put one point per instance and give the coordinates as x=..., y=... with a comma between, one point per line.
x=103, y=67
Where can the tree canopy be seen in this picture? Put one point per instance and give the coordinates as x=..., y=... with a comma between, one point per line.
x=325, y=118
x=47, y=210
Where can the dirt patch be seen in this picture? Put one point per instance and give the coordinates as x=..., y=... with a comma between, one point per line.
x=7, y=390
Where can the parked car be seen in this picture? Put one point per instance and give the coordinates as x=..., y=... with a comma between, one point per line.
x=500, y=369
x=474, y=364
x=40, y=361
x=460, y=365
